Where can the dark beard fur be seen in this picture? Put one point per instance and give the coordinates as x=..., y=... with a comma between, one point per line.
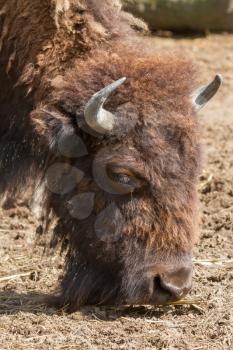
x=87, y=285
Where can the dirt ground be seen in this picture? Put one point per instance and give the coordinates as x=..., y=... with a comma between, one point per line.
x=205, y=322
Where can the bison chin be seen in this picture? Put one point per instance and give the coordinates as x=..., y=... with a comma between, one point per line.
x=88, y=285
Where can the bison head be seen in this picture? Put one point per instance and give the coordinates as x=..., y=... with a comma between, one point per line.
x=122, y=177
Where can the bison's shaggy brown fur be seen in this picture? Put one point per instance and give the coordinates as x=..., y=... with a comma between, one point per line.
x=38, y=41
x=54, y=56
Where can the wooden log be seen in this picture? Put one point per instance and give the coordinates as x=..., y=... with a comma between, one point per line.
x=183, y=15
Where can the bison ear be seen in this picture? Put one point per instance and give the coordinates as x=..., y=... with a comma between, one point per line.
x=202, y=95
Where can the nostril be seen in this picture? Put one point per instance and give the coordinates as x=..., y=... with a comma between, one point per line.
x=160, y=294
x=159, y=285
x=177, y=282
x=157, y=282
x=175, y=291
x=172, y=286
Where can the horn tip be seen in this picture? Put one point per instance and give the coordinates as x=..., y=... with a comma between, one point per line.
x=219, y=78
x=122, y=80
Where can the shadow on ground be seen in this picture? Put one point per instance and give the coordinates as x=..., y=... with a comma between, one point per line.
x=12, y=302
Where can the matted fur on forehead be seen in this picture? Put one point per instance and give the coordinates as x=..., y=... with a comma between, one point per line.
x=106, y=13
x=166, y=81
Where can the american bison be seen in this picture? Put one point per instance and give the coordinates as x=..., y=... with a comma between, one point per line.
x=106, y=128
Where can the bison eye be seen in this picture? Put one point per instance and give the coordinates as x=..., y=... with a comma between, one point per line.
x=124, y=177
x=121, y=178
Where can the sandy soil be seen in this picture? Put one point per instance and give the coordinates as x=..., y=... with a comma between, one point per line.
x=206, y=322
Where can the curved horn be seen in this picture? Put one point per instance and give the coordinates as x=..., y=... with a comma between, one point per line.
x=201, y=96
x=95, y=115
